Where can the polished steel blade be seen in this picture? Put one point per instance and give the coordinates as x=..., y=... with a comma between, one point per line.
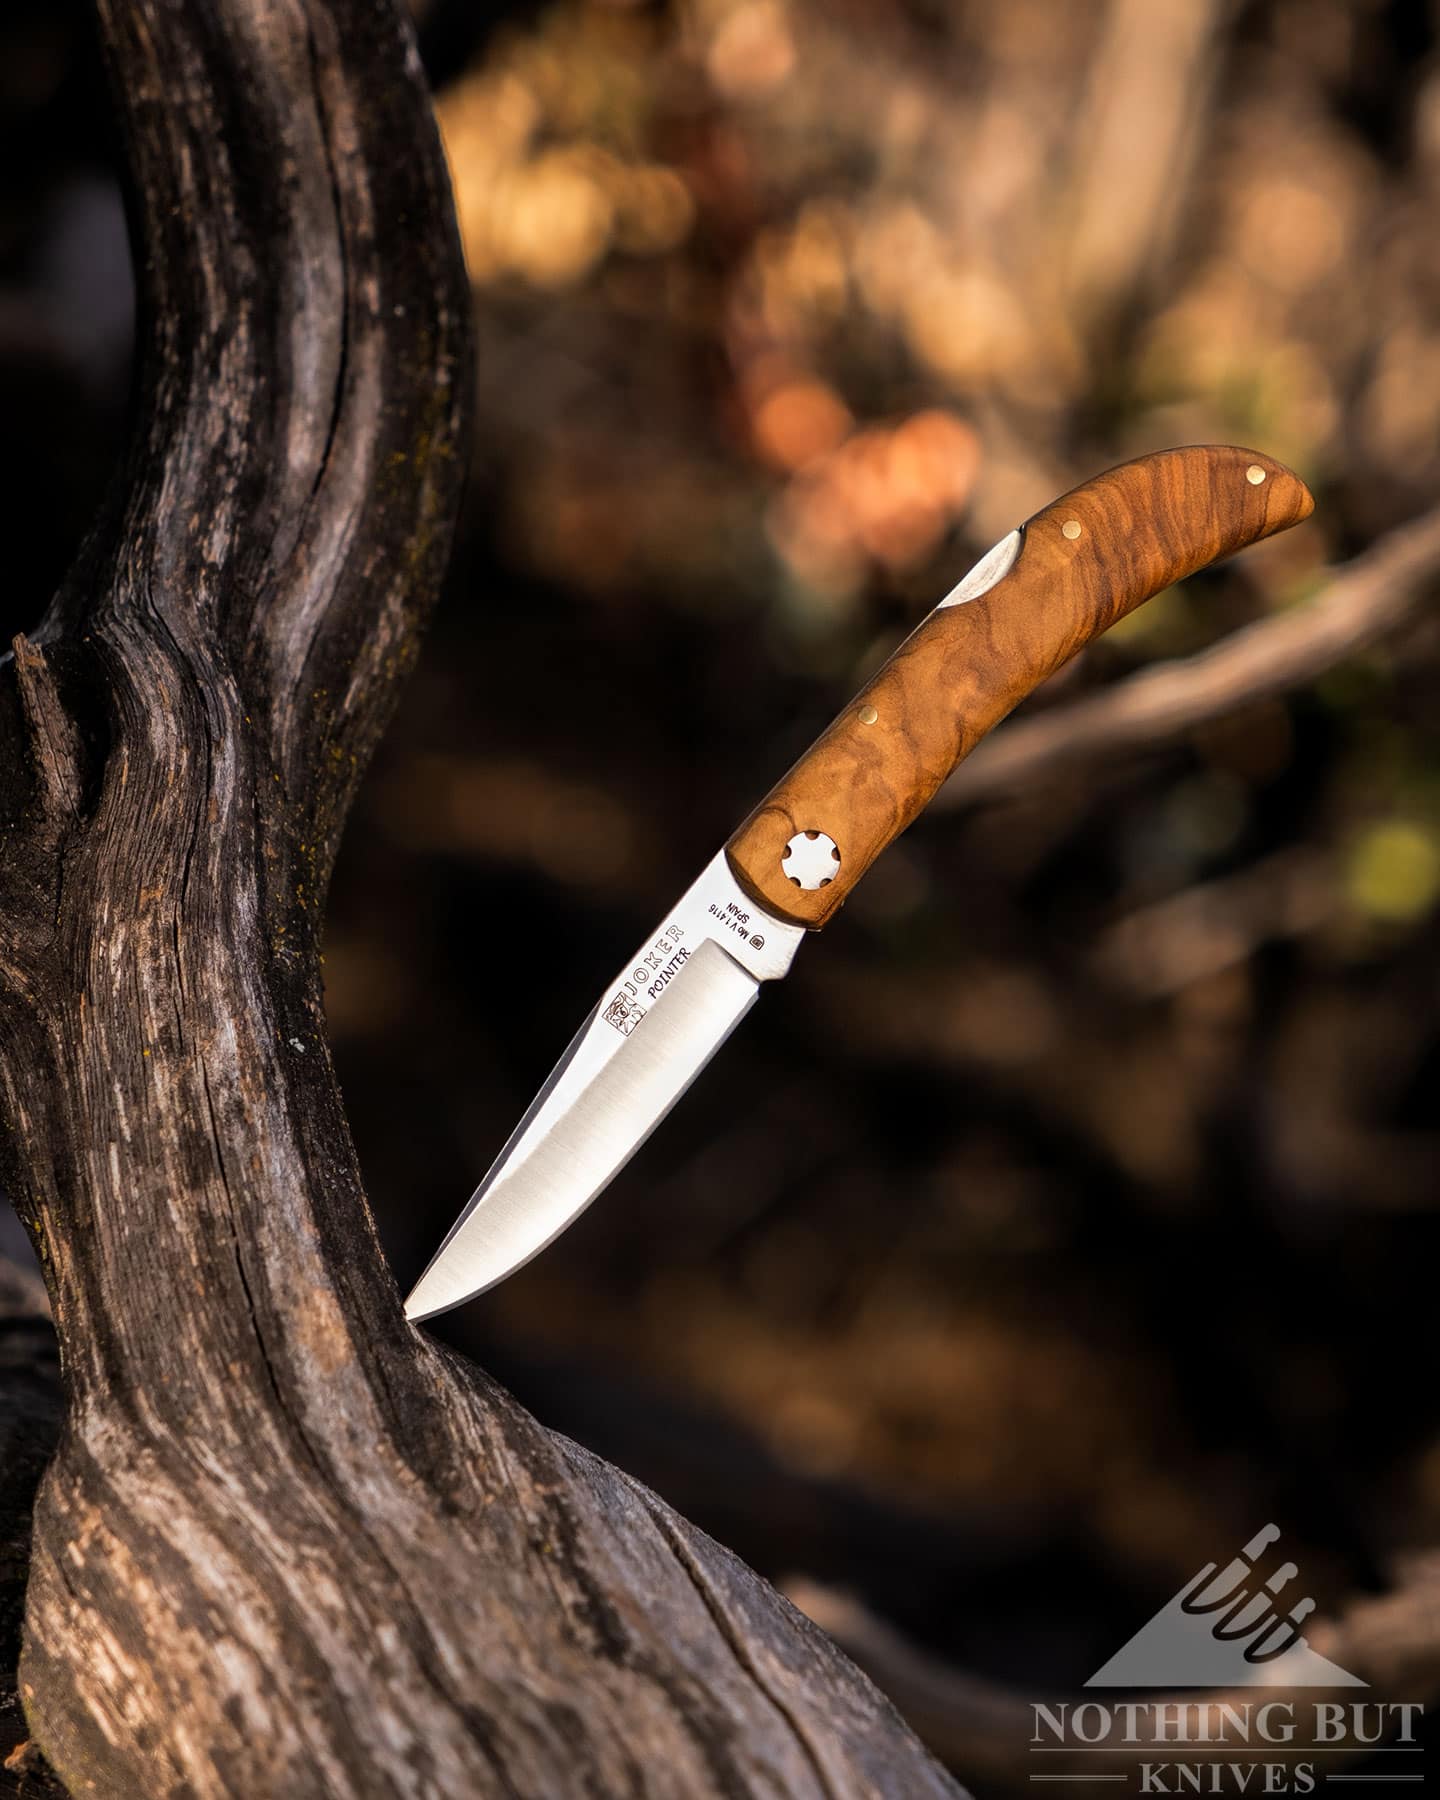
x=653, y=1030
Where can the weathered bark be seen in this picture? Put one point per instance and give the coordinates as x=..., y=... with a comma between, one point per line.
x=287, y=1545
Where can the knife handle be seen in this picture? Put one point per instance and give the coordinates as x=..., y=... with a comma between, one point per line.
x=1066, y=576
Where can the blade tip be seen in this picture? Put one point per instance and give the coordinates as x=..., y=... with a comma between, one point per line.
x=427, y=1299
x=418, y=1309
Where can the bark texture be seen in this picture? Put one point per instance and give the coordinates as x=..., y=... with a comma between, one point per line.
x=287, y=1546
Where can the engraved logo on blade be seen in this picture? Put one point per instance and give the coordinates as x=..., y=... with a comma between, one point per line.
x=623, y=1014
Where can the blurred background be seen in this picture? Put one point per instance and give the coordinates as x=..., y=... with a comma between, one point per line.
x=1071, y=1211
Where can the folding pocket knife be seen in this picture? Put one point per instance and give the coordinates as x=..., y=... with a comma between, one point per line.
x=1027, y=606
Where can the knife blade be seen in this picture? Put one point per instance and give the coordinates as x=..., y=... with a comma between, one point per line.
x=1044, y=591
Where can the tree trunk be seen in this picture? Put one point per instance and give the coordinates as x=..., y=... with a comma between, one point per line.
x=288, y=1546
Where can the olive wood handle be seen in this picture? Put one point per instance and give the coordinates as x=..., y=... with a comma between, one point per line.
x=1066, y=576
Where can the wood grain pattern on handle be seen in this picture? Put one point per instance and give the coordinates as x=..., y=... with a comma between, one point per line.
x=1083, y=563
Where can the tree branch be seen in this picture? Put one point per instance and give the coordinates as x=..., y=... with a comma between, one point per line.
x=1365, y=600
x=287, y=1545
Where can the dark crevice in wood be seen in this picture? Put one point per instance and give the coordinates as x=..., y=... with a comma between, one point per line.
x=741, y=1651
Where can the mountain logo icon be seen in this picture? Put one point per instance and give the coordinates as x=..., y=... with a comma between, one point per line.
x=1231, y=1628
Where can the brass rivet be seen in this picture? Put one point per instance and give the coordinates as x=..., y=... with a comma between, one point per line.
x=1255, y=474
x=1070, y=529
x=868, y=715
